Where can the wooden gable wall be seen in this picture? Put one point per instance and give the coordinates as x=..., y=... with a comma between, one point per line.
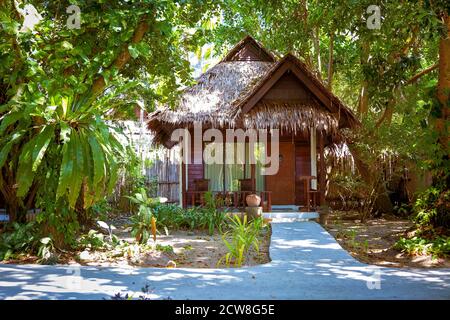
x=288, y=87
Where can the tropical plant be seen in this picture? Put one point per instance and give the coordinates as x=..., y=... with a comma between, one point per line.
x=143, y=222
x=93, y=240
x=432, y=208
x=166, y=248
x=215, y=217
x=244, y=237
x=209, y=217
x=59, y=86
x=437, y=247
x=46, y=251
x=22, y=238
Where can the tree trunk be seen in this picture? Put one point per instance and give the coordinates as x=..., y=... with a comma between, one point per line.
x=330, y=63
x=363, y=104
x=388, y=112
x=382, y=203
x=443, y=91
x=316, y=41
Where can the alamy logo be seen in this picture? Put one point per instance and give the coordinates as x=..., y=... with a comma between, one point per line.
x=374, y=281
x=227, y=150
x=74, y=277
x=374, y=20
x=74, y=20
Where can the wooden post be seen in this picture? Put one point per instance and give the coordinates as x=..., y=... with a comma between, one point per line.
x=202, y=198
x=262, y=196
x=307, y=185
x=253, y=176
x=322, y=168
x=183, y=183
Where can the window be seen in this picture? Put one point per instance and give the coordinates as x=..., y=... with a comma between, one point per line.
x=226, y=176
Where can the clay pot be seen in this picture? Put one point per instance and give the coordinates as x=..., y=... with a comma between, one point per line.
x=253, y=200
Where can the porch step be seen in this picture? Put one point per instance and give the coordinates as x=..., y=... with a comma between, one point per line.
x=288, y=216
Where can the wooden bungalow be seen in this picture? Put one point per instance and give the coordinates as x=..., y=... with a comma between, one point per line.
x=251, y=88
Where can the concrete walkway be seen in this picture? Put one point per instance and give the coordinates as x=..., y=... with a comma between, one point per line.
x=307, y=263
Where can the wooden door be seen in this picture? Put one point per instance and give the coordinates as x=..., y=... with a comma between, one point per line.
x=282, y=184
x=302, y=168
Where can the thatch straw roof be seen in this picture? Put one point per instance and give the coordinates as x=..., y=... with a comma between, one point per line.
x=226, y=96
x=209, y=99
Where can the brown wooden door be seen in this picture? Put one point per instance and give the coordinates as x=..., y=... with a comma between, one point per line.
x=303, y=168
x=282, y=184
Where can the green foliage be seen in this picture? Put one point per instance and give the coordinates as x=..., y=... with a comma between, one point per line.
x=215, y=217
x=169, y=215
x=403, y=210
x=244, y=237
x=25, y=239
x=432, y=208
x=143, y=222
x=46, y=251
x=438, y=247
x=21, y=239
x=101, y=209
x=208, y=217
x=60, y=86
x=93, y=240
x=166, y=249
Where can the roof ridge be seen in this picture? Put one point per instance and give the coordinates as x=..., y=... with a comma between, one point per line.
x=248, y=39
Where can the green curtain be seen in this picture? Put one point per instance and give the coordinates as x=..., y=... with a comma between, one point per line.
x=234, y=172
x=214, y=172
x=259, y=154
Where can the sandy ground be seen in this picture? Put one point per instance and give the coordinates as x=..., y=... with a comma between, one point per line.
x=178, y=248
x=372, y=242
x=191, y=249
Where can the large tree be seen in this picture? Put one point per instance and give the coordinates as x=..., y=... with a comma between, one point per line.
x=60, y=82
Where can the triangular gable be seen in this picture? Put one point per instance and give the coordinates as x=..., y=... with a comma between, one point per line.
x=248, y=49
x=291, y=64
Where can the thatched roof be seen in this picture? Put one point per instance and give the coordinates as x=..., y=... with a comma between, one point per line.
x=227, y=96
x=209, y=99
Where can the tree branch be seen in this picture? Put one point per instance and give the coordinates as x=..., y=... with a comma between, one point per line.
x=422, y=73
x=125, y=56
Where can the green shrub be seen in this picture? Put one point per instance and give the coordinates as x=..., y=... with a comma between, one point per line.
x=143, y=222
x=46, y=251
x=208, y=217
x=93, y=240
x=167, y=249
x=438, y=247
x=23, y=238
x=215, y=217
x=432, y=208
x=169, y=215
x=244, y=237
